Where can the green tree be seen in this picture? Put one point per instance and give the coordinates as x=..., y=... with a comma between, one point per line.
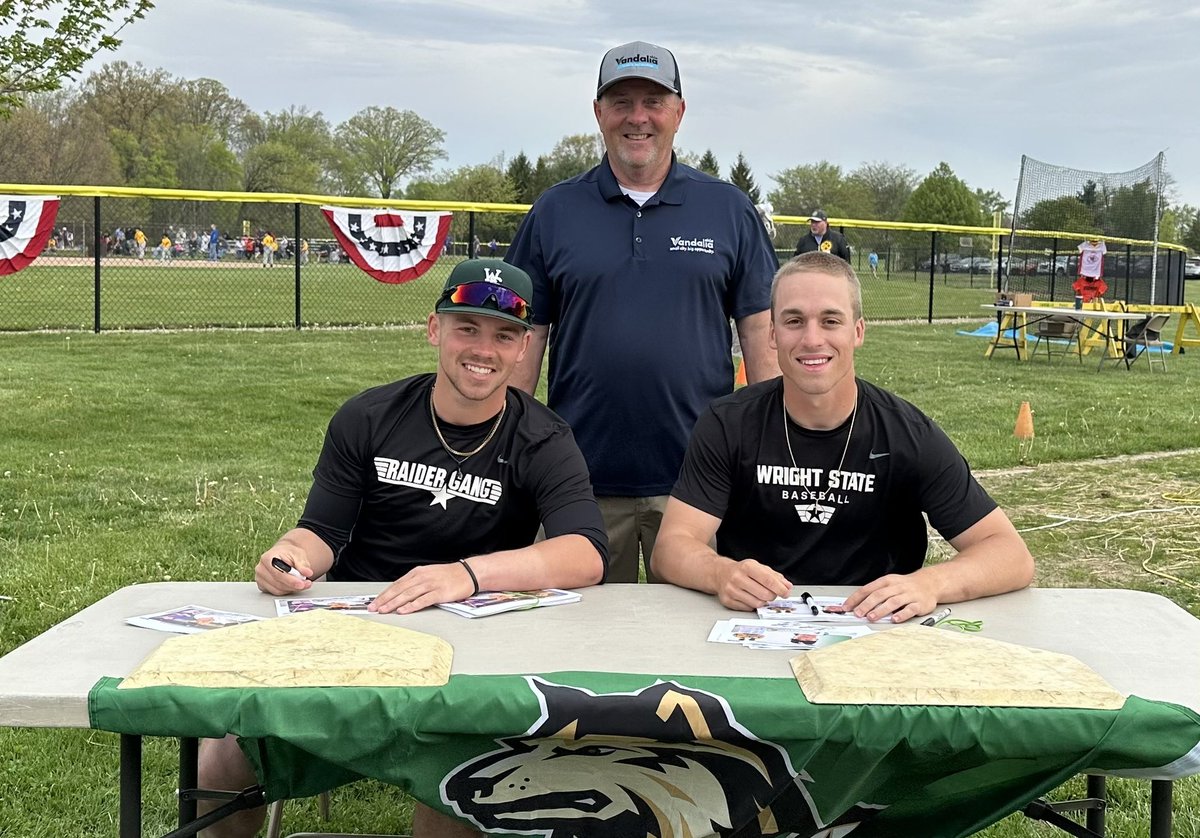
x=943, y=198
x=206, y=103
x=54, y=139
x=1131, y=211
x=138, y=108
x=1188, y=226
x=741, y=177
x=573, y=155
x=887, y=188
x=36, y=54
x=990, y=201
x=1066, y=213
x=708, y=164
x=520, y=174
x=385, y=145
x=803, y=189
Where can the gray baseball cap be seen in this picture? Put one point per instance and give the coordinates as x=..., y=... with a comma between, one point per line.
x=639, y=60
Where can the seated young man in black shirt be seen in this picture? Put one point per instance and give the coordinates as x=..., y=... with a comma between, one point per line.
x=438, y=484
x=818, y=478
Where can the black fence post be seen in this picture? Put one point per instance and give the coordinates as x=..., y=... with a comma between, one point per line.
x=1053, y=265
x=96, y=247
x=887, y=254
x=296, y=256
x=932, y=269
x=1128, y=269
x=471, y=235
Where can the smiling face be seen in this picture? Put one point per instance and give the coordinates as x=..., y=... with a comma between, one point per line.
x=816, y=325
x=476, y=357
x=639, y=119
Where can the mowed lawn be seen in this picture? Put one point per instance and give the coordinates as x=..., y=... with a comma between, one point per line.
x=132, y=457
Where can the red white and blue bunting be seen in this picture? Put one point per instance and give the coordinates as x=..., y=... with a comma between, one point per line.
x=390, y=245
x=26, y=222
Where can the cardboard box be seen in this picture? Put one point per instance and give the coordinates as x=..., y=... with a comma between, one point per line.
x=1022, y=299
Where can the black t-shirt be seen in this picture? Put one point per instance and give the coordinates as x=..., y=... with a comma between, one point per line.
x=387, y=497
x=809, y=520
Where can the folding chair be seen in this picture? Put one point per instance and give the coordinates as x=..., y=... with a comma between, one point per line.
x=1143, y=336
x=275, y=814
x=1055, y=330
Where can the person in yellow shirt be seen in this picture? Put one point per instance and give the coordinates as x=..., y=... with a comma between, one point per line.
x=303, y=251
x=163, y=251
x=139, y=242
x=269, y=247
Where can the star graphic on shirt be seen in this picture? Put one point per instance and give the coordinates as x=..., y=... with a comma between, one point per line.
x=419, y=225
x=440, y=496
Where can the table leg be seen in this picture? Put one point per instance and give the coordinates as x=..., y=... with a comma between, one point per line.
x=189, y=750
x=1096, y=789
x=1160, y=808
x=131, y=786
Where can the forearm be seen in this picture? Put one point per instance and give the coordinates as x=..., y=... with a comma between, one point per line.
x=310, y=547
x=566, y=561
x=753, y=335
x=998, y=564
x=688, y=562
x=529, y=370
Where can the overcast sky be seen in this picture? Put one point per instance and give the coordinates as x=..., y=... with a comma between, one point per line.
x=1095, y=84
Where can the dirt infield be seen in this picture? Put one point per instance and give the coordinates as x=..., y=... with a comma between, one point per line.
x=49, y=260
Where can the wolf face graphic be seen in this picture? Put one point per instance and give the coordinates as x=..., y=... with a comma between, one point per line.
x=664, y=762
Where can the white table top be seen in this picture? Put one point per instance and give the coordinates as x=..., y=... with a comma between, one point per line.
x=1141, y=643
x=1069, y=312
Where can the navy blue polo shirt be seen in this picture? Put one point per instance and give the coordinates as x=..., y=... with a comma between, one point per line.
x=638, y=300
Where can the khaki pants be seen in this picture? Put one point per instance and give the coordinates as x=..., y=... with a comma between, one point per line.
x=632, y=525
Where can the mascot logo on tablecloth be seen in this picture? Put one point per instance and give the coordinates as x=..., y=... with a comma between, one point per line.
x=389, y=245
x=26, y=223
x=666, y=761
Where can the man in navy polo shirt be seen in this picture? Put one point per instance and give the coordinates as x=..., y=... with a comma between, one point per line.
x=638, y=266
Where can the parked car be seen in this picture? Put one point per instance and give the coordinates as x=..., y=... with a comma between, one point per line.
x=1191, y=268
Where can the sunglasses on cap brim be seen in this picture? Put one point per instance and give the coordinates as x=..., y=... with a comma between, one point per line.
x=488, y=295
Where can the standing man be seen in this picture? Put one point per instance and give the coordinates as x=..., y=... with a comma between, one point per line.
x=819, y=478
x=214, y=242
x=820, y=237
x=268, y=250
x=638, y=266
x=496, y=462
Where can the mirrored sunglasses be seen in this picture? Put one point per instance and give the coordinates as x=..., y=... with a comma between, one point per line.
x=489, y=295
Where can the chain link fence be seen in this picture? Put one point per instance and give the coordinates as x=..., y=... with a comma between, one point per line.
x=133, y=261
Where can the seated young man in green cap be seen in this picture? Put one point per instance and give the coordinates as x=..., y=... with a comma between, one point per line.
x=437, y=484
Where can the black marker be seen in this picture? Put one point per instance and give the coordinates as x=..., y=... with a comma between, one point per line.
x=806, y=598
x=283, y=567
x=934, y=619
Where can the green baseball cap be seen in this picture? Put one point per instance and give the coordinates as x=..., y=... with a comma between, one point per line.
x=491, y=287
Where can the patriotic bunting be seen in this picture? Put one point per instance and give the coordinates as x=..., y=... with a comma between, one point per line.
x=26, y=223
x=389, y=245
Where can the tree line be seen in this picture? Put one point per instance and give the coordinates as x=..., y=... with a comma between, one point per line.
x=129, y=125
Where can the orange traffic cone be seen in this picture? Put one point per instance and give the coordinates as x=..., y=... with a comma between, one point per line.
x=1023, y=430
x=739, y=380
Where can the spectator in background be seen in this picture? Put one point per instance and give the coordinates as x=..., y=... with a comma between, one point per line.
x=475, y=247
x=873, y=263
x=303, y=251
x=492, y=245
x=820, y=237
x=119, y=241
x=248, y=247
x=283, y=247
x=139, y=243
x=638, y=266
x=268, y=250
x=214, y=243
x=163, y=251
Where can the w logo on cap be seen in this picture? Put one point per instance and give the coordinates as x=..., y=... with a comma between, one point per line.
x=492, y=276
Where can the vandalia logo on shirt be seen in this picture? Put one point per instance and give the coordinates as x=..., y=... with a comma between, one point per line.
x=683, y=243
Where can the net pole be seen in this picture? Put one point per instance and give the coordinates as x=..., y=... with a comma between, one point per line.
x=1012, y=234
x=1158, y=190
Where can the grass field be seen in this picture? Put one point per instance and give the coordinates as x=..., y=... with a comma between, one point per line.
x=198, y=294
x=133, y=457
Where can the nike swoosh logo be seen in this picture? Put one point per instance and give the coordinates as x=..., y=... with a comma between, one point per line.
x=875, y=456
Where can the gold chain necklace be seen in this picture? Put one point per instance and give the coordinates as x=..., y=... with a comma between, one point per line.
x=461, y=457
x=788, y=437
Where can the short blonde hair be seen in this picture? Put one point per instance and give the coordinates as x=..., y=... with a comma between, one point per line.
x=821, y=263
